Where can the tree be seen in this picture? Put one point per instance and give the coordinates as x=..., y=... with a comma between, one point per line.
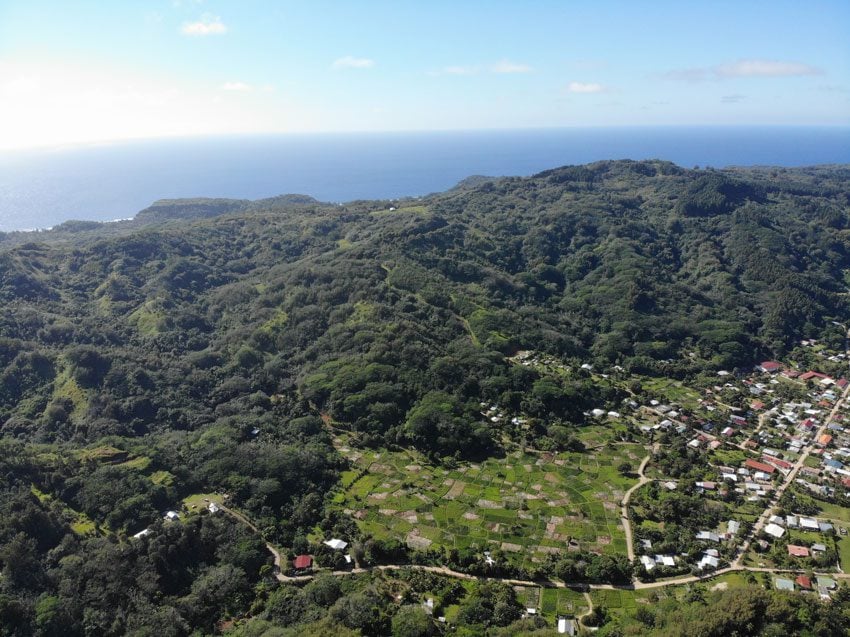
x=412, y=621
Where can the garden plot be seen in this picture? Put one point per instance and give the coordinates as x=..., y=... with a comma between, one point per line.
x=526, y=504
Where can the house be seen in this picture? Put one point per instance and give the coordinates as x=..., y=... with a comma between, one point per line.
x=824, y=440
x=707, y=486
x=708, y=561
x=783, y=584
x=213, y=507
x=665, y=560
x=142, y=534
x=335, y=544
x=648, y=562
x=809, y=524
x=302, y=562
x=727, y=431
x=759, y=466
x=774, y=530
x=826, y=582
x=172, y=515
x=732, y=527
x=567, y=626
x=791, y=521
x=769, y=367
x=823, y=527
x=782, y=464
x=804, y=582
x=708, y=536
x=818, y=548
x=798, y=551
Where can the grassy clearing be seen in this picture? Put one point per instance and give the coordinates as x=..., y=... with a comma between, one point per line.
x=65, y=386
x=671, y=391
x=147, y=318
x=529, y=505
x=198, y=501
x=80, y=523
x=165, y=478
x=105, y=454
x=136, y=464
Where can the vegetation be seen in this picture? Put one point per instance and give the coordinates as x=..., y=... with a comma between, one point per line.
x=225, y=347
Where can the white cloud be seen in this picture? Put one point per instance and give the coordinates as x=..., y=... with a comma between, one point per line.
x=585, y=87
x=764, y=68
x=236, y=86
x=208, y=25
x=350, y=62
x=510, y=67
x=743, y=68
x=732, y=99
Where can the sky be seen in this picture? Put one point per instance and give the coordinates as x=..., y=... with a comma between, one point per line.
x=80, y=72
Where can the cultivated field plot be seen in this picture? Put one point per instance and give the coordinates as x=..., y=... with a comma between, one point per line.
x=528, y=505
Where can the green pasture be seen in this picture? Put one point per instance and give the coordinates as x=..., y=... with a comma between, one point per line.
x=526, y=504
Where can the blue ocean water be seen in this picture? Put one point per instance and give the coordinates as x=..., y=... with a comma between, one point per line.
x=44, y=188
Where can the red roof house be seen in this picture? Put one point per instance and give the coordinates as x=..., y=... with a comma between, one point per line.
x=842, y=383
x=770, y=366
x=782, y=464
x=798, y=551
x=803, y=581
x=810, y=375
x=302, y=561
x=759, y=466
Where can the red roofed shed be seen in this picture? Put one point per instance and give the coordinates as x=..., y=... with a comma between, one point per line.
x=302, y=561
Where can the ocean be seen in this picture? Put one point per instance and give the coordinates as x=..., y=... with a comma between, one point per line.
x=40, y=189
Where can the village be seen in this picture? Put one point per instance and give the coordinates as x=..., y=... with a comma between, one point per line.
x=744, y=473
x=768, y=447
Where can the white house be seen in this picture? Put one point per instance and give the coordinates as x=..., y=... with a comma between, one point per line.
x=774, y=530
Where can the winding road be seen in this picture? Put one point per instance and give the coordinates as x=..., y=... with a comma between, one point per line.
x=624, y=513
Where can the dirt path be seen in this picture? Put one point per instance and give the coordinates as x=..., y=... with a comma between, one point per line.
x=624, y=507
x=447, y=572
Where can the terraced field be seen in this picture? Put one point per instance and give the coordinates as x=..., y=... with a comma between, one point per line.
x=526, y=504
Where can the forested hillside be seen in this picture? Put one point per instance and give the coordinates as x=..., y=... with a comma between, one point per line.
x=205, y=346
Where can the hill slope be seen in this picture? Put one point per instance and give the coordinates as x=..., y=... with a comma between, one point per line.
x=176, y=337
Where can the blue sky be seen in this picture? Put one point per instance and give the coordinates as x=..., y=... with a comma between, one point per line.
x=75, y=71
